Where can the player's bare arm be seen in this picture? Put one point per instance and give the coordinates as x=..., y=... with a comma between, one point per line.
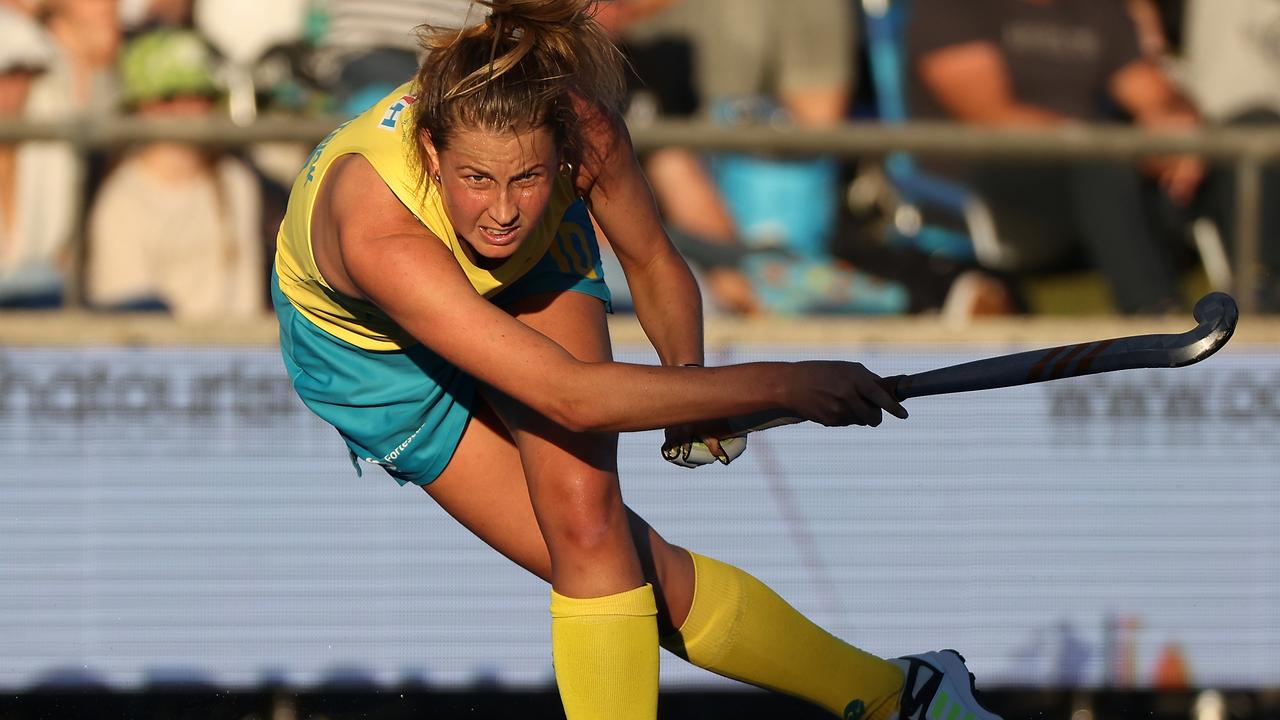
x=666, y=296
x=394, y=262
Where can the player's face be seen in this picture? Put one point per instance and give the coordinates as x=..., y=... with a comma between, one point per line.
x=496, y=186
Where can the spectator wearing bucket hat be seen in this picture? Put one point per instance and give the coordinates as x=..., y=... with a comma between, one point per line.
x=176, y=226
x=164, y=65
x=32, y=239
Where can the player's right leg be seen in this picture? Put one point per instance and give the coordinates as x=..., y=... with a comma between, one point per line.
x=710, y=613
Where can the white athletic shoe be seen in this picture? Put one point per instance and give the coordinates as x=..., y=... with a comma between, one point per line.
x=938, y=687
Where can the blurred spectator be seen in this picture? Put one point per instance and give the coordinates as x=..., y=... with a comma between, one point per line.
x=31, y=243
x=79, y=83
x=760, y=228
x=756, y=61
x=368, y=48
x=176, y=226
x=1051, y=63
x=619, y=16
x=1231, y=57
x=87, y=34
x=762, y=61
x=245, y=33
x=1231, y=66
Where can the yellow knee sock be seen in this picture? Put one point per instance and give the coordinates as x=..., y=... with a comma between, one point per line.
x=739, y=628
x=605, y=652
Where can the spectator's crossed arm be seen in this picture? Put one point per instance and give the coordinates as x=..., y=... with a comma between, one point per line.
x=971, y=82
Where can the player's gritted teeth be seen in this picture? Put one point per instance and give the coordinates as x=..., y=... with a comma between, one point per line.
x=500, y=236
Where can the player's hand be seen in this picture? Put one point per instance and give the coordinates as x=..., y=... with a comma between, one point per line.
x=691, y=446
x=826, y=392
x=840, y=393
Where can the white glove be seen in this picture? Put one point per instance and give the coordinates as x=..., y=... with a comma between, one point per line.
x=695, y=454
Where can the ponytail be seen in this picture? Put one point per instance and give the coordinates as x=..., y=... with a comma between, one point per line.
x=525, y=67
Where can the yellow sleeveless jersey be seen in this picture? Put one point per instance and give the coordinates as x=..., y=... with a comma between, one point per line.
x=384, y=135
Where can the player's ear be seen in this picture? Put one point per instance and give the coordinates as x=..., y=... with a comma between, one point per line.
x=432, y=154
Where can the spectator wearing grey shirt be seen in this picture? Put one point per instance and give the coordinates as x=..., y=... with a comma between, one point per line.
x=1050, y=63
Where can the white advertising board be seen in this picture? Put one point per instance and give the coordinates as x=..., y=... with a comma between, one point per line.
x=175, y=515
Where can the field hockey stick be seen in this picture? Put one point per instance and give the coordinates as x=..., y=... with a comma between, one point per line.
x=1215, y=313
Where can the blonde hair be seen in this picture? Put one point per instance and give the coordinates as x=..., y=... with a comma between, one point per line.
x=523, y=68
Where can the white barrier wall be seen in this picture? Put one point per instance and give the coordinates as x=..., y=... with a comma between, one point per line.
x=176, y=515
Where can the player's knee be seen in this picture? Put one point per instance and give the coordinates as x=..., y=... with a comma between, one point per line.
x=586, y=514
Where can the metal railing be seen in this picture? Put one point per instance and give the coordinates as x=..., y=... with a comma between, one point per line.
x=1248, y=150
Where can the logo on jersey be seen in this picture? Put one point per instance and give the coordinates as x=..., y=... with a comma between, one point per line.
x=391, y=118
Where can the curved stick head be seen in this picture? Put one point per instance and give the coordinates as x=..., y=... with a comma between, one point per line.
x=1217, y=308
x=1216, y=315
